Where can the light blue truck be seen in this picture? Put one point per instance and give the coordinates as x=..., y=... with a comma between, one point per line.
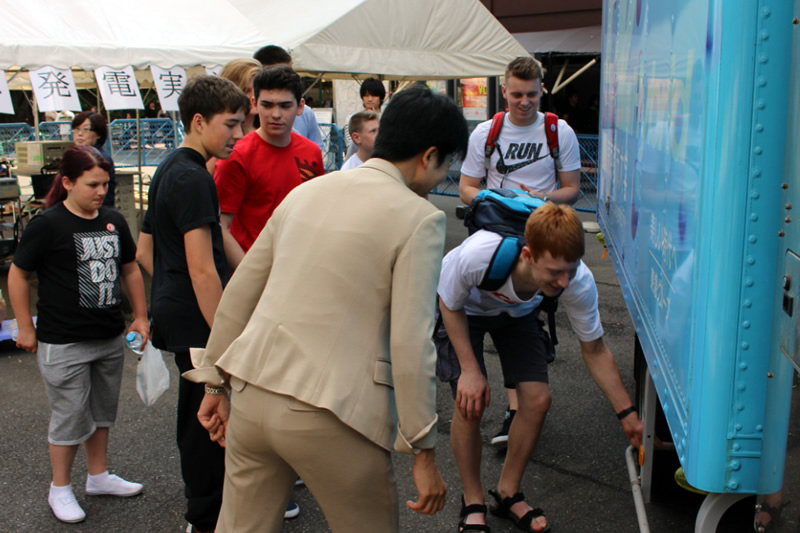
x=699, y=204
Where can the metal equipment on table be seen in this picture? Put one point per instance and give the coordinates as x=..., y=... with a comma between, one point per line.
x=10, y=212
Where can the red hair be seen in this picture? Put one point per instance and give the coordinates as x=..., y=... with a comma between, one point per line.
x=557, y=229
x=74, y=163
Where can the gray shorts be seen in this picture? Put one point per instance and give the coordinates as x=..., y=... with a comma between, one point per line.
x=82, y=380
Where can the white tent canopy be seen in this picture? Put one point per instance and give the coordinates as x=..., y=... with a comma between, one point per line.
x=409, y=39
x=568, y=41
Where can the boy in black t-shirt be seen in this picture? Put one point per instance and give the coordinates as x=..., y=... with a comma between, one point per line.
x=181, y=247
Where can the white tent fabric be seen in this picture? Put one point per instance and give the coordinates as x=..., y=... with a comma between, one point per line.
x=409, y=39
x=571, y=41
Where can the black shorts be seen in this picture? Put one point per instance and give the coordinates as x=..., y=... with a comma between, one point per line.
x=522, y=346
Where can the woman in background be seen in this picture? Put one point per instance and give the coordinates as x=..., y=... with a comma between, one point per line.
x=89, y=129
x=241, y=72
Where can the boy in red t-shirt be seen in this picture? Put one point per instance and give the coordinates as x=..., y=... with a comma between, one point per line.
x=266, y=164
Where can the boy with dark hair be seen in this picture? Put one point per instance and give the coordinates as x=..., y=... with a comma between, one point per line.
x=549, y=265
x=181, y=247
x=267, y=164
x=372, y=94
x=272, y=55
x=337, y=360
x=364, y=127
x=306, y=123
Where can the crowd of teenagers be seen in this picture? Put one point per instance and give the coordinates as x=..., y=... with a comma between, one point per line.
x=300, y=306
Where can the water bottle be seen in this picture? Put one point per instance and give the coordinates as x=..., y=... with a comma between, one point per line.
x=134, y=342
x=13, y=329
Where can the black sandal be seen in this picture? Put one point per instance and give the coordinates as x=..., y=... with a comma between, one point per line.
x=463, y=527
x=502, y=508
x=775, y=519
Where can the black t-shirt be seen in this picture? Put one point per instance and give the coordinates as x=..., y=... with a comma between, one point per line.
x=182, y=197
x=112, y=178
x=78, y=262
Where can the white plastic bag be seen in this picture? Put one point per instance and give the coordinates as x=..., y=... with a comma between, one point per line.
x=152, y=376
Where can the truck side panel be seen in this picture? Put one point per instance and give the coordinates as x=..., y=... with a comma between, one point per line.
x=692, y=140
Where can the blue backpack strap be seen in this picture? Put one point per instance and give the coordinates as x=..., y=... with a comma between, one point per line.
x=502, y=263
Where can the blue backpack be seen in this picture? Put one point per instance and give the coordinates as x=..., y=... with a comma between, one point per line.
x=505, y=212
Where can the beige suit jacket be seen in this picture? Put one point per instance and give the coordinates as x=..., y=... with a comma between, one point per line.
x=334, y=305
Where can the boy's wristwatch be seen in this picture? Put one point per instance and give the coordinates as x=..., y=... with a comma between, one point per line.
x=545, y=197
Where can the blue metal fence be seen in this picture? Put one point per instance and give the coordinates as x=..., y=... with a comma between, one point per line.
x=590, y=172
x=13, y=133
x=333, y=143
x=157, y=140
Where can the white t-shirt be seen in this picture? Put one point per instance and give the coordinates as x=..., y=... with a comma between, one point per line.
x=352, y=162
x=521, y=155
x=463, y=270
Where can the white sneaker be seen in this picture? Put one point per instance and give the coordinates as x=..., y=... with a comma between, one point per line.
x=292, y=510
x=64, y=505
x=112, y=485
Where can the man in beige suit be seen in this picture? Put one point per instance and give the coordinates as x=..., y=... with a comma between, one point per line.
x=323, y=335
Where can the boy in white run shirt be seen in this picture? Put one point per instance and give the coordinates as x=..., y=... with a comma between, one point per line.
x=363, y=128
x=552, y=267
x=521, y=159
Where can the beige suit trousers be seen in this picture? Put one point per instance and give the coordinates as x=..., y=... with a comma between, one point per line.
x=273, y=438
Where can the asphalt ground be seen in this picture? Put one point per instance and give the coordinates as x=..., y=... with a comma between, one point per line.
x=577, y=472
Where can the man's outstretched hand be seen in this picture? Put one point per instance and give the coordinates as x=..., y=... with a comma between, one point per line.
x=430, y=485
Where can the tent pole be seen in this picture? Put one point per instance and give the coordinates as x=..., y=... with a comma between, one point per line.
x=35, y=105
x=560, y=75
x=493, y=95
x=583, y=69
x=139, y=154
x=452, y=90
x=174, y=116
x=312, y=84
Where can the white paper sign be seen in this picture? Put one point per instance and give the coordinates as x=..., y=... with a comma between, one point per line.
x=119, y=88
x=169, y=84
x=214, y=71
x=5, y=97
x=55, y=89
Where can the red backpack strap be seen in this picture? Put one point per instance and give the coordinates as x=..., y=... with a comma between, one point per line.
x=491, y=140
x=551, y=130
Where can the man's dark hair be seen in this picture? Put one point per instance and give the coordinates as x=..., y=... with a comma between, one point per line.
x=281, y=77
x=272, y=55
x=209, y=96
x=417, y=119
x=373, y=87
